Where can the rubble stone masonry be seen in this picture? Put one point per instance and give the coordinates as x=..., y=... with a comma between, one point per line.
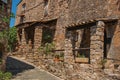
x=67, y=21
x=97, y=44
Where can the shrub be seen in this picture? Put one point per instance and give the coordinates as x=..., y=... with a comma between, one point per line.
x=81, y=55
x=5, y=76
x=47, y=49
x=9, y=38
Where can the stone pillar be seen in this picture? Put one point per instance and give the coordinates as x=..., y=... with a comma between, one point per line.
x=23, y=42
x=19, y=42
x=68, y=56
x=18, y=36
x=37, y=38
x=97, y=44
x=59, y=37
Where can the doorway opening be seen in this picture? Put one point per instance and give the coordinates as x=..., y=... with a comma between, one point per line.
x=108, y=36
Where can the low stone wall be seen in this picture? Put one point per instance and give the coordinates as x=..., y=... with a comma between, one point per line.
x=74, y=71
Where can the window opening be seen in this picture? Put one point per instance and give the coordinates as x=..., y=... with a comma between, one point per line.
x=24, y=7
x=81, y=45
x=22, y=19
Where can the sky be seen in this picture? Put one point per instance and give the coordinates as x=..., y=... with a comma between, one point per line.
x=14, y=8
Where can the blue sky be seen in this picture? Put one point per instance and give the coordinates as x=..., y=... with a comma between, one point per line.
x=14, y=7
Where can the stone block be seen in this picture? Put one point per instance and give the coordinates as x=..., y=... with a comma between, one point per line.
x=95, y=38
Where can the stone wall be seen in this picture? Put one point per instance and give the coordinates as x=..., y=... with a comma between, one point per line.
x=35, y=10
x=113, y=53
x=68, y=69
x=113, y=8
x=62, y=9
x=67, y=12
x=72, y=12
x=77, y=11
x=74, y=71
x=31, y=38
x=116, y=44
x=31, y=8
x=114, y=11
x=97, y=44
x=37, y=38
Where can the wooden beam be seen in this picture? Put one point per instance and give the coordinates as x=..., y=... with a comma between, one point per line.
x=91, y=21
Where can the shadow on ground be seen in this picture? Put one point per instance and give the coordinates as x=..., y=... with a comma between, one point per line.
x=15, y=66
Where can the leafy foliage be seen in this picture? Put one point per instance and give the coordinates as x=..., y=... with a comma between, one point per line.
x=5, y=76
x=81, y=55
x=9, y=37
x=47, y=49
x=47, y=36
x=12, y=38
x=5, y=19
x=3, y=34
x=103, y=62
x=12, y=15
x=4, y=38
x=62, y=54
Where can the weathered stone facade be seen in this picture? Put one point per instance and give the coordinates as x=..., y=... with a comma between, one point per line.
x=79, y=28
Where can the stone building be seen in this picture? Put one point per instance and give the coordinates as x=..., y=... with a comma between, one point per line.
x=78, y=27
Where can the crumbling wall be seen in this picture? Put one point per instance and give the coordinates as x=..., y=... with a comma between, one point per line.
x=35, y=10
x=114, y=12
x=113, y=7
x=77, y=11
x=114, y=51
x=52, y=10
x=84, y=10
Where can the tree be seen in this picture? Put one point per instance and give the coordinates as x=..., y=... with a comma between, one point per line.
x=12, y=38
x=5, y=43
x=9, y=38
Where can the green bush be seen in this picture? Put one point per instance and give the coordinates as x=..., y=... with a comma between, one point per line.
x=81, y=55
x=103, y=62
x=12, y=38
x=9, y=38
x=47, y=49
x=61, y=54
x=5, y=75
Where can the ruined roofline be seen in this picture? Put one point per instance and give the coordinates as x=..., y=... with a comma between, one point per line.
x=91, y=21
x=71, y=25
x=34, y=22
